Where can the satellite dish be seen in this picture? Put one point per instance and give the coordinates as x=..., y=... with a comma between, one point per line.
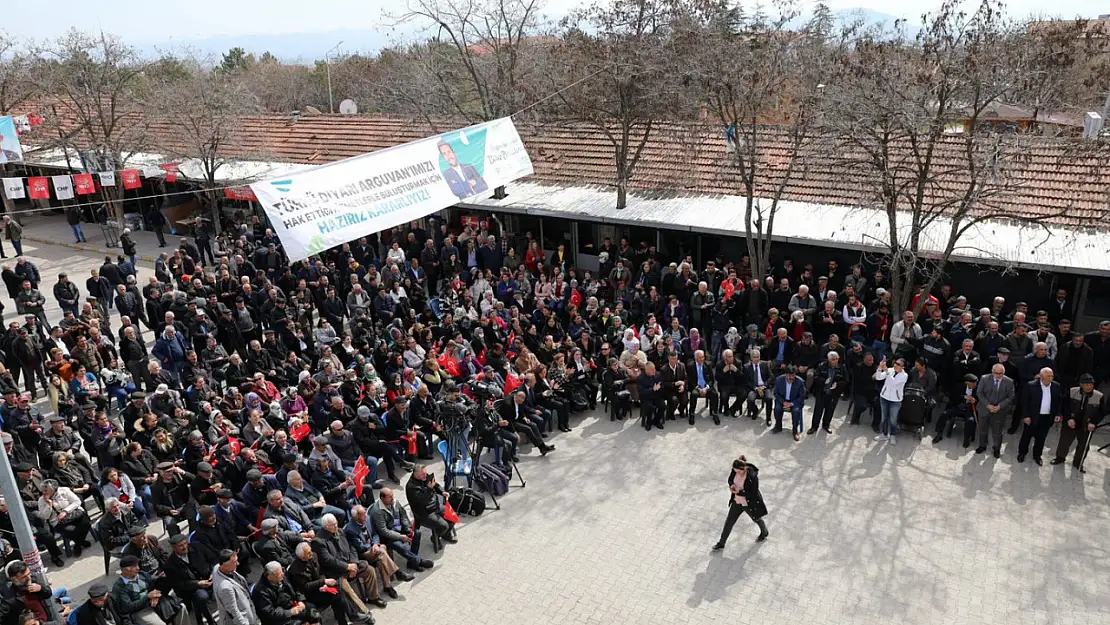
x=348, y=107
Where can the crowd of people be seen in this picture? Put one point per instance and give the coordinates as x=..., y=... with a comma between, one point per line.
x=255, y=423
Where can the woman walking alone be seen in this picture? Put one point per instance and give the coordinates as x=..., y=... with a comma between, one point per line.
x=743, y=486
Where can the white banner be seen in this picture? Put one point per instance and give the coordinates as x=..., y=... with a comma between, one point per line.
x=321, y=207
x=63, y=187
x=107, y=178
x=13, y=188
x=153, y=172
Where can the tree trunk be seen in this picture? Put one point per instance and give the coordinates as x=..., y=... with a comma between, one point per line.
x=622, y=193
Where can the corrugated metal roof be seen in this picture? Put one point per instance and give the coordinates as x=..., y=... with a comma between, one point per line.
x=1058, y=248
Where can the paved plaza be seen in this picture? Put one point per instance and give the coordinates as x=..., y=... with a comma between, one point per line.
x=616, y=527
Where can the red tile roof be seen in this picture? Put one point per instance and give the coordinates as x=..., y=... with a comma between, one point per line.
x=1050, y=175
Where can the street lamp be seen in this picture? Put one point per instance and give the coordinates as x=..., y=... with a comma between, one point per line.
x=327, y=63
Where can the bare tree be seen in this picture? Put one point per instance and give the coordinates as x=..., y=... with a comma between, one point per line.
x=203, y=116
x=764, y=84
x=95, y=80
x=477, y=57
x=618, y=69
x=900, y=109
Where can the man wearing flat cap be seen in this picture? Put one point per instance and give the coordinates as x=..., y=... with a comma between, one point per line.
x=189, y=578
x=277, y=544
x=100, y=609
x=1084, y=409
x=171, y=497
x=146, y=549
x=135, y=591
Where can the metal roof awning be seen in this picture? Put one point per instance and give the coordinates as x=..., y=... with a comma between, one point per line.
x=1042, y=248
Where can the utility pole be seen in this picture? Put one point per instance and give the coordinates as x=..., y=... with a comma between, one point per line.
x=327, y=64
x=22, y=526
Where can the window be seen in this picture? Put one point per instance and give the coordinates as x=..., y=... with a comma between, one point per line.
x=556, y=232
x=588, y=240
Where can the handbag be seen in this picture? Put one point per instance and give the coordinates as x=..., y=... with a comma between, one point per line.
x=169, y=606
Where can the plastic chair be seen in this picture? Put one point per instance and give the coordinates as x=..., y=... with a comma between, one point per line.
x=456, y=466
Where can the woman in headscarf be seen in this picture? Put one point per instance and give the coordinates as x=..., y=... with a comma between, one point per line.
x=732, y=339
x=630, y=339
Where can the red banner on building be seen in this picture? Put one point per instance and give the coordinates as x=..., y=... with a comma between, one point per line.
x=240, y=193
x=130, y=178
x=83, y=184
x=39, y=187
x=171, y=171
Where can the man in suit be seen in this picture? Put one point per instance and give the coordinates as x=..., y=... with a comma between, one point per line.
x=525, y=420
x=790, y=395
x=730, y=381
x=339, y=560
x=463, y=178
x=99, y=609
x=190, y=580
x=758, y=379
x=673, y=378
x=233, y=595
x=996, y=397
x=1043, y=405
x=700, y=385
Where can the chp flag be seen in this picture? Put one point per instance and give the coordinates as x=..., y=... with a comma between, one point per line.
x=320, y=207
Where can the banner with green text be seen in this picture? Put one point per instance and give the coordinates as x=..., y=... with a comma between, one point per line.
x=321, y=207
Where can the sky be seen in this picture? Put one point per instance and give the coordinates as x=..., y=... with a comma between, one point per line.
x=148, y=23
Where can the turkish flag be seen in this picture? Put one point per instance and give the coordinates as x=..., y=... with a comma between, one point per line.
x=40, y=187
x=130, y=178
x=83, y=184
x=171, y=171
x=362, y=470
x=300, y=432
x=511, y=383
x=235, y=445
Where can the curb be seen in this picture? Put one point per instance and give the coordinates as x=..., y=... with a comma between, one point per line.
x=84, y=247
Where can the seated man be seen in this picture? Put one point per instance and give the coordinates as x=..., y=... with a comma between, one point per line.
x=99, y=609
x=789, y=395
x=758, y=380
x=115, y=526
x=426, y=498
x=730, y=382
x=335, y=484
x=276, y=544
x=146, y=549
x=364, y=540
x=391, y=523
x=277, y=602
x=338, y=559
x=963, y=408
x=700, y=383
x=136, y=591
x=309, y=499
x=673, y=377
x=21, y=592
x=323, y=592
x=526, y=420
x=289, y=515
x=189, y=578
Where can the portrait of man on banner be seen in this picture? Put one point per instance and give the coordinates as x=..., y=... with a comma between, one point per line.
x=462, y=160
x=10, y=150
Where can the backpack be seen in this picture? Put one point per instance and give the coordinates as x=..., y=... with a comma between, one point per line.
x=491, y=479
x=467, y=501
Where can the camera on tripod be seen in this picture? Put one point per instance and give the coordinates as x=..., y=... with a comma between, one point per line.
x=485, y=390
